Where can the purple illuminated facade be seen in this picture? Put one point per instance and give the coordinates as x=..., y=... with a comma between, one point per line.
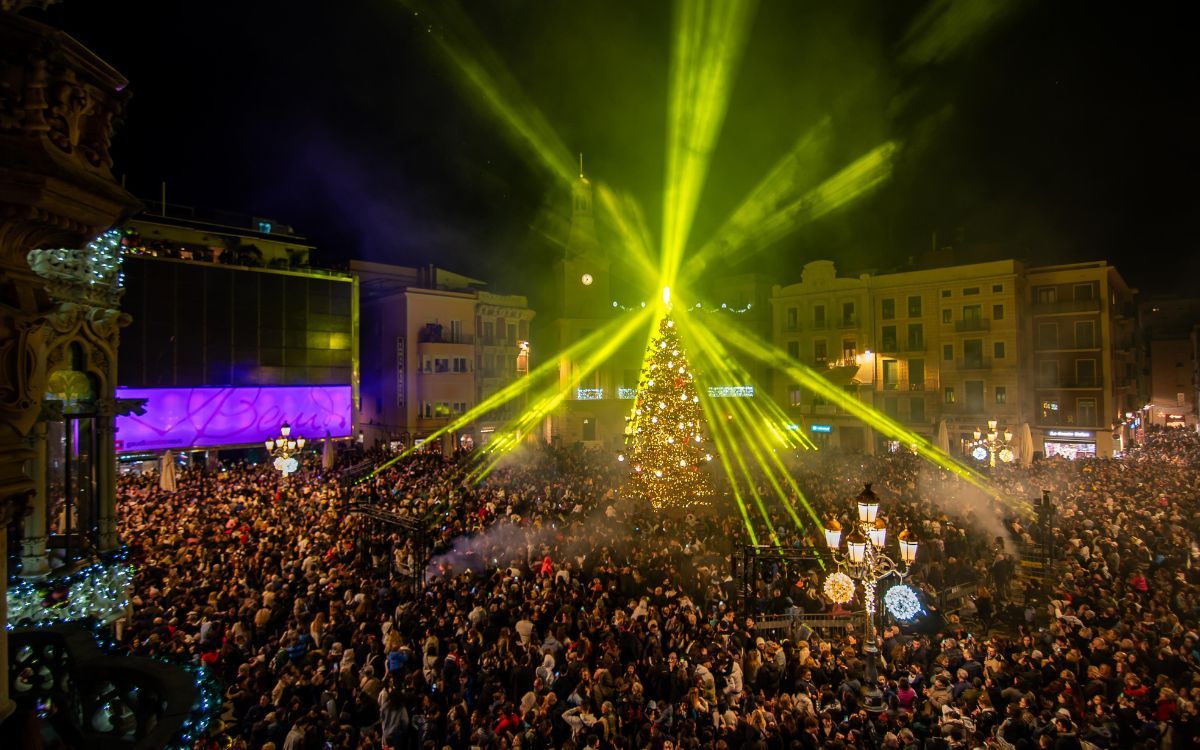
x=181, y=418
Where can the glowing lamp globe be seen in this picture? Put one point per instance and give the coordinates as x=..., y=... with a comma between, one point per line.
x=977, y=433
x=1008, y=436
x=285, y=429
x=868, y=505
x=270, y=445
x=908, y=546
x=833, y=534
x=300, y=442
x=878, y=535
x=856, y=546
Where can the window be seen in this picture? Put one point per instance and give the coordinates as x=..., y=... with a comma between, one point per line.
x=848, y=313
x=820, y=351
x=974, y=390
x=794, y=397
x=460, y=364
x=793, y=348
x=997, y=288
x=916, y=375
x=947, y=352
x=488, y=332
x=441, y=409
x=889, y=309
x=973, y=353
x=1085, y=411
x=1085, y=334
x=889, y=338
x=1048, y=372
x=849, y=350
x=512, y=333
x=819, y=315
x=460, y=407
x=589, y=428
x=970, y=291
x=1046, y=295
x=891, y=406
x=890, y=374
x=916, y=337
x=1048, y=335
x=426, y=409
x=997, y=312
x=916, y=409
x=947, y=315
x=914, y=307
x=793, y=318
x=455, y=331
x=441, y=364
x=998, y=350
x=1085, y=292
x=945, y=293
x=948, y=394
x=1001, y=394
x=972, y=313
x=1085, y=372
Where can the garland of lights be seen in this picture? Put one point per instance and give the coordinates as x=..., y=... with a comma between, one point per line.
x=100, y=591
x=839, y=587
x=902, y=602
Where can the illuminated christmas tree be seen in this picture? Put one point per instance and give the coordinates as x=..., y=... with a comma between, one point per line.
x=666, y=447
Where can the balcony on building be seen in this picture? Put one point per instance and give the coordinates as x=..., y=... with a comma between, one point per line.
x=970, y=325
x=848, y=322
x=1059, y=307
x=973, y=363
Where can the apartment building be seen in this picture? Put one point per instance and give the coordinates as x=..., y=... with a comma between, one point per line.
x=435, y=344
x=1083, y=330
x=949, y=348
x=825, y=322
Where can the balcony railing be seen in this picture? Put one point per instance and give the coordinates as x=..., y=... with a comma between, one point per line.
x=1066, y=306
x=973, y=363
x=1046, y=384
x=851, y=322
x=972, y=324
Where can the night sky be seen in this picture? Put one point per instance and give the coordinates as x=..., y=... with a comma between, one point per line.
x=1065, y=132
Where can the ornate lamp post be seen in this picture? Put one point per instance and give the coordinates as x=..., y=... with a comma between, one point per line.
x=992, y=445
x=865, y=562
x=285, y=448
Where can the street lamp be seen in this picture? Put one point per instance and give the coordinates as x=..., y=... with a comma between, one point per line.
x=285, y=448
x=992, y=445
x=864, y=561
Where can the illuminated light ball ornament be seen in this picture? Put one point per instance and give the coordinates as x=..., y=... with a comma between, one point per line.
x=286, y=465
x=1006, y=455
x=902, y=602
x=980, y=453
x=839, y=587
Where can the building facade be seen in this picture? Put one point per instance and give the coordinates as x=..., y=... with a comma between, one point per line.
x=945, y=350
x=1167, y=353
x=436, y=346
x=1085, y=370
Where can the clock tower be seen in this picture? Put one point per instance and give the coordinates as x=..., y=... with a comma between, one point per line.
x=584, y=304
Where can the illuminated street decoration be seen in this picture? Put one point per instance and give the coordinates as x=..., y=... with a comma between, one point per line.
x=731, y=391
x=839, y=587
x=589, y=394
x=992, y=445
x=865, y=561
x=285, y=448
x=902, y=602
x=665, y=430
x=99, y=591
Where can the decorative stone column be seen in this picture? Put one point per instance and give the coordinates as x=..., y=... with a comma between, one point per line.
x=59, y=104
x=106, y=473
x=33, y=538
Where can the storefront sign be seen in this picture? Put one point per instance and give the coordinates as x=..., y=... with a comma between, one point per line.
x=210, y=417
x=824, y=428
x=1071, y=434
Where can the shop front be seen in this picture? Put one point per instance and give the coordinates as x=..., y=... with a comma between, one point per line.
x=1069, y=444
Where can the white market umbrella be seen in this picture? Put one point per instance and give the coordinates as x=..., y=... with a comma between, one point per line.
x=1026, y=444
x=943, y=436
x=166, y=473
x=327, y=453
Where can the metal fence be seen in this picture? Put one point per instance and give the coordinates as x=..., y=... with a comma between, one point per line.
x=803, y=626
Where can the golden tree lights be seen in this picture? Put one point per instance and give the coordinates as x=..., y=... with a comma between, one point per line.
x=666, y=445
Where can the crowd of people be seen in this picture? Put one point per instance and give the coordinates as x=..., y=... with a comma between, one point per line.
x=557, y=614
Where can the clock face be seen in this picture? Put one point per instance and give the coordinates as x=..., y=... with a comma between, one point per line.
x=586, y=279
